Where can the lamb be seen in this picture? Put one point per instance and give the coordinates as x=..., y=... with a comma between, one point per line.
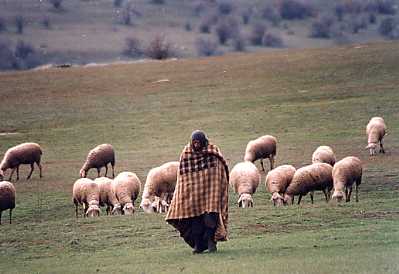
x=345, y=173
x=317, y=176
x=7, y=197
x=324, y=154
x=99, y=157
x=277, y=181
x=87, y=193
x=244, y=179
x=107, y=197
x=26, y=153
x=159, y=188
x=126, y=187
x=375, y=130
x=261, y=148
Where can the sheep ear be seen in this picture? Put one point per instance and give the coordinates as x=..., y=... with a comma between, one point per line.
x=367, y=147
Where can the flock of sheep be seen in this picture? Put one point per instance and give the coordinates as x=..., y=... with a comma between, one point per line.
x=119, y=194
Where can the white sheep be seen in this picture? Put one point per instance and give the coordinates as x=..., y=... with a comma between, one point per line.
x=277, y=181
x=159, y=188
x=309, y=178
x=26, y=153
x=87, y=193
x=107, y=197
x=244, y=179
x=261, y=148
x=324, y=154
x=345, y=173
x=99, y=157
x=7, y=197
x=375, y=130
x=126, y=187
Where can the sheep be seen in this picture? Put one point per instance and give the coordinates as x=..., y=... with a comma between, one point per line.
x=87, y=193
x=375, y=130
x=7, y=197
x=244, y=179
x=324, y=154
x=317, y=176
x=345, y=173
x=107, y=197
x=26, y=153
x=99, y=157
x=159, y=187
x=277, y=181
x=261, y=148
x=126, y=187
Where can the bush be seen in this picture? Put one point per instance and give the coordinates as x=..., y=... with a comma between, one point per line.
x=257, y=33
x=3, y=26
x=159, y=48
x=322, y=28
x=118, y=3
x=239, y=43
x=57, y=4
x=46, y=22
x=133, y=48
x=293, y=9
x=386, y=7
x=226, y=29
x=272, y=40
x=206, y=24
x=389, y=28
x=26, y=56
x=206, y=47
x=225, y=8
x=188, y=27
x=246, y=15
x=271, y=14
x=19, y=24
x=358, y=23
x=7, y=58
x=157, y=2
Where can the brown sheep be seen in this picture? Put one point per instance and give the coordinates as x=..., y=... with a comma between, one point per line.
x=345, y=173
x=87, y=193
x=261, y=148
x=99, y=157
x=7, y=197
x=126, y=187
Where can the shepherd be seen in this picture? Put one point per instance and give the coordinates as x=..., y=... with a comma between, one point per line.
x=199, y=208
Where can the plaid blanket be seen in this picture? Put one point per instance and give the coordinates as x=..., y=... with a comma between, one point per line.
x=202, y=186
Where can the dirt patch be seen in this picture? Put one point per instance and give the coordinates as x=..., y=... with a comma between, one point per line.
x=377, y=215
x=9, y=133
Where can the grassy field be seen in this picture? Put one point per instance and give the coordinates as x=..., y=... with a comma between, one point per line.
x=305, y=98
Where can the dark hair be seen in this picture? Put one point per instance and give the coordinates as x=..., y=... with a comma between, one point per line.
x=199, y=136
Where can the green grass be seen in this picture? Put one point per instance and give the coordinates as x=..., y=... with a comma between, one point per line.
x=305, y=98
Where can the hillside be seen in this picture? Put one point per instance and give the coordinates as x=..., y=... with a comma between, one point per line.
x=33, y=33
x=305, y=98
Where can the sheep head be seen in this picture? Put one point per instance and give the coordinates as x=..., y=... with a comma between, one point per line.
x=1, y=175
x=148, y=206
x=128, y=209
x=372, y=147
x=245, y=200
x=93, y=211
x=338, y=195
x=162, y=206
x=288, y=198
x=117, y=210
x=83, y=173
x=277, y=199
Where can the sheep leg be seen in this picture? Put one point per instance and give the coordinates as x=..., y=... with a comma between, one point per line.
x=311, y=196
x=10, y=214
x=326, y=195
x=299, y=199
x=271, y=158
x=40, y=169
x=0, y=216
x=348, y=199
x=357, y=192
x=12, y=173
x=113, y=170
x=76, y=211
x=382, y=147
x=98, y=172
x=106, y=170
x=17, y=173
x=32, y=167
x=261, y=162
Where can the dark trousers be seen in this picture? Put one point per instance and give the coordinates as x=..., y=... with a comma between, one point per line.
x=203, y=229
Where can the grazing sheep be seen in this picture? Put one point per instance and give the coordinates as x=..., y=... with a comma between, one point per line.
x=26, y=153
x=87, y=193
x=107, y=197
x=309, y=178
x=7, y=197
x=375, y=130
x=244, y=179
x=324, y=154
x=261, y=148
x=99, y=157
x=159, y=187
x=345, y=173
x=126, y=187
x=277, y=181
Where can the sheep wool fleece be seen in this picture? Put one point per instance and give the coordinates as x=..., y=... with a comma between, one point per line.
x=202, y=187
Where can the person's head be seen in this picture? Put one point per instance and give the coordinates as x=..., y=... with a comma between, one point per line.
x=198, y=140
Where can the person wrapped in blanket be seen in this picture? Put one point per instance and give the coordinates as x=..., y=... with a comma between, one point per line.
x=199, y=208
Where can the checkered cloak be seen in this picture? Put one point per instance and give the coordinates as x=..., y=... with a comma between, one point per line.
x=202, y=186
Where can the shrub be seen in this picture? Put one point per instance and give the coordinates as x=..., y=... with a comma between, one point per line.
x=226, y=29
x=372, y=18
x=225, y=8
x=19, y=24
x=188, y=27
x=239, y=43
x=257, y=33
x=322, y=28
x=358, y=23
x=7, y=58
x=3, y=26
x=46, y=22
x=159, y=48
x=272, y=40
x=389, y=28
x=118, y=3
x=382, y=7
x=246, y=15
x=293, y=9
x=133, y=48
x=57, y=4
x=271, y=14
x=206, y=47
x=157, y=2
x=205, y=25
x=26, y=56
